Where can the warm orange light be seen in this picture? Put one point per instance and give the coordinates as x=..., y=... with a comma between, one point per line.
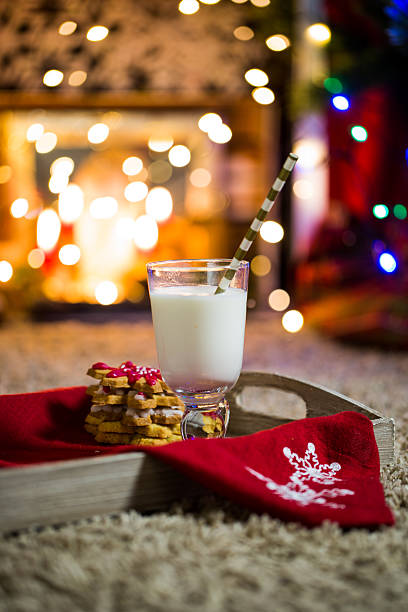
x=52, y=78
x=34, y=132
x=6, y=271
x=103, y=208
x=69, y=254
x=5, y=174
x=200, y=177
x=106, y=293
x=277, y=42
x=160, y=144
x=279, y=299
x=271, y=231
x=220, y=134
x=179, y=156
x=243, y=32
x=132, y=165
x=67, y=28
x=136, y=191
x=256, y=77
x=19, y=208
x=263, y=95
x=188, y=7
x=77, y=78
x=209, y=121
x=146, y=233
x=58, y=182
x=97, y=33
x=260, y=265
x=48, y=229
x=46, y=143
x=292, y=321
x=62, y=165
x=98, y=133
x=70, y=203
x=36, y=258
x=159, y=203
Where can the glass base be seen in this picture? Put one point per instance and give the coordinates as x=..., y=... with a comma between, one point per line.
x=210, y=421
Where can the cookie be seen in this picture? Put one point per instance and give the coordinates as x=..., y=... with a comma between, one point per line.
x=136, y=399
x=115, y=427
x=93, y=420
x=99, y=369
x=106, y=412
x=135, y=416
x=139, y=440
x=116, y=378
x=154, y=431
x=166, y=416
x=92, y=429
x=167, y=400
x=105, y=395
x=113, y=438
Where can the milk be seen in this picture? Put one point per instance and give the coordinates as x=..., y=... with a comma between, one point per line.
x=199, y=336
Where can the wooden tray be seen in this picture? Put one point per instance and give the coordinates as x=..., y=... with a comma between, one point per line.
x=67, y=490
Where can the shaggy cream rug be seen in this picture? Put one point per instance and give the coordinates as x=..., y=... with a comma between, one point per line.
x=207, y=555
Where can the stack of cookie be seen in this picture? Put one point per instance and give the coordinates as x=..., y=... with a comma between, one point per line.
x=132, y=405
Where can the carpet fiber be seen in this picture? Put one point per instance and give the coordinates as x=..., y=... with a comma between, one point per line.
x=208, y=555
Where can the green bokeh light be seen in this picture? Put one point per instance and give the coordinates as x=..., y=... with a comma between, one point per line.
x=333, y=85
x=359, y=133
x=400, y=211
x=380, y=211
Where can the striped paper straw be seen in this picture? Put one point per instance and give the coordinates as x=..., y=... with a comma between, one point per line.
x=256, y=224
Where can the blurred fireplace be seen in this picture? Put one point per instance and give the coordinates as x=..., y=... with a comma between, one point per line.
x=98, y=187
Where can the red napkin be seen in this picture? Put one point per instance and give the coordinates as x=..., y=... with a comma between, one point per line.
x=311, y=470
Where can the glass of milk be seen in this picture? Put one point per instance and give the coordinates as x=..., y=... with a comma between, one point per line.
x=199, y=337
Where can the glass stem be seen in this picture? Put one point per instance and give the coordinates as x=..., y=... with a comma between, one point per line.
x=209, y=421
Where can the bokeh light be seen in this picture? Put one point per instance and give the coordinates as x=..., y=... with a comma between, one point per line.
x=243, y=33
x=303, y=189
x=69, y=254
x=400, y=211
x=98, y=133
x=58, y=182
x=261, y=265
x=125, y=228
x=70, y=203
x=48, y=229
x=220, y=134
x=333, y=85
x=277, y=42
x=209, y=121
x=52, y=78
x=200, y=177
x=46, y=143
x=132, y=165
x=311, y=152
x=359, y=133
x=188, y=7
x=146, y=233
x=77, y=78
x=271, y=232
x=380, y=211
x=67, y=28
x=19, y=208
x=62, y=165
x=263, y=95
x=341, y=103
x=256, y=77
x=261, y=3
x=160, y=144
x=6, y=271
x=387, y=262
x=36, y=258
x=209, y=1
x=159, y=203
x=318, y=33
x=136, y=191
x=160, y=171
x=105, y=207
x=179, y=156
x=106, y=292
x=292, y=321
x=279, y=299
x=34, y=132
x=97, y=33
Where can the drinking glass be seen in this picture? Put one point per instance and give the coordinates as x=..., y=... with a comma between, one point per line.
x=199, y=337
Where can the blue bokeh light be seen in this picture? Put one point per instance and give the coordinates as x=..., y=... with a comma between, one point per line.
x=341, y=103
x=387, y=262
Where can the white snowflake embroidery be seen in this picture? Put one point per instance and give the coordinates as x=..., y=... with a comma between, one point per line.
x=307, y=468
